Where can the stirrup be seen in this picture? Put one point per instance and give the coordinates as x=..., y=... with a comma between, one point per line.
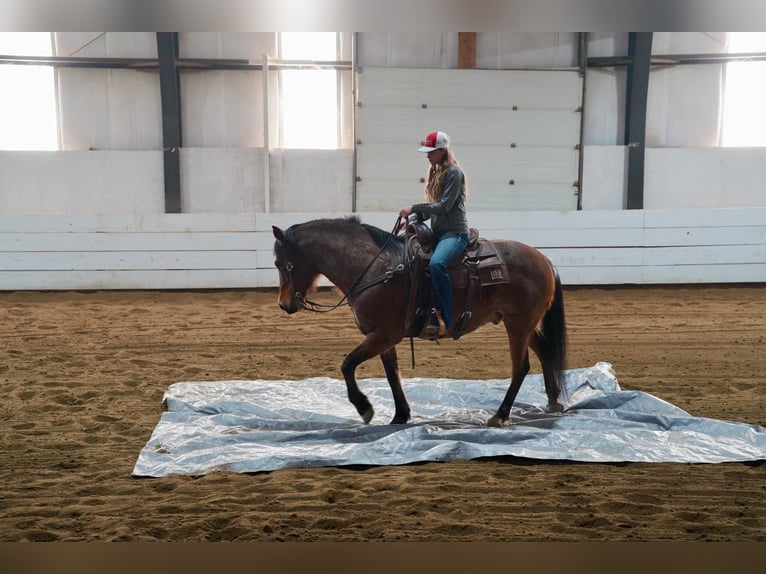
x=435, y=331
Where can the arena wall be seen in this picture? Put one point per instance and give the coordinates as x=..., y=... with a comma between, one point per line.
x=191, y=251
x=92, y=215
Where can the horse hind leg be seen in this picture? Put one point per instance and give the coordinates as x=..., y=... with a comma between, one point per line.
x=519, y=369
x=391, y=365
x=550, y=376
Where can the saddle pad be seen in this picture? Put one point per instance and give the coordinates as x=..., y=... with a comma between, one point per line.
x=493, y=274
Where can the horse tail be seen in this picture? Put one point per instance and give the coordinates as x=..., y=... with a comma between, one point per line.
x=554, y=334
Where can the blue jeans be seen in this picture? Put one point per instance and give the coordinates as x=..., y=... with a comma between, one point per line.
x=447, y=250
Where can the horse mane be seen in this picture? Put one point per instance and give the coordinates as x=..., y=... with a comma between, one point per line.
x=381, y=238
x=392, y=242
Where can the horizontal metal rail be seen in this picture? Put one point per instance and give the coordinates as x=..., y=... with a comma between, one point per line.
x=181, y=63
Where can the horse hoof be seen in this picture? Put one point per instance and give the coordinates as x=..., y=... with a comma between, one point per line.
x=556, y=408
x=495, y=422
x=367, y=415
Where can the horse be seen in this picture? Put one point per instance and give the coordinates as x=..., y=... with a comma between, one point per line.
x=365, y=264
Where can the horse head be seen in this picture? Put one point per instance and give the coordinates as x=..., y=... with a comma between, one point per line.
x=296, y=272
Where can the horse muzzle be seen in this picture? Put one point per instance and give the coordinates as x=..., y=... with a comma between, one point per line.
x=290, y=309
x=293, y=305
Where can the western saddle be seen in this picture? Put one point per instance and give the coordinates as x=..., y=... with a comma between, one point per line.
x=481, y=264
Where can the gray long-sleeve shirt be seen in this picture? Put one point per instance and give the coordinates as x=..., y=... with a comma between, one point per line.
x=448, y=213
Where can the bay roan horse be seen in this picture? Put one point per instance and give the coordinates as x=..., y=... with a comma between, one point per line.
x=352, y=254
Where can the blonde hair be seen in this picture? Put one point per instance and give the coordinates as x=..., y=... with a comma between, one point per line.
x=435, y=182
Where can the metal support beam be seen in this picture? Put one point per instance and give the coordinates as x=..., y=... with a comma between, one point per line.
x=582, y=59
x=170, y=93
x=181, y=63
x=679, y=59
x=639, y=55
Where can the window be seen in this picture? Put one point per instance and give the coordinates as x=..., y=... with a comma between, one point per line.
x=309, y=99
x=744, y=105
x=28, y=95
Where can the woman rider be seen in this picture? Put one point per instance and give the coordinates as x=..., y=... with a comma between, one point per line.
x=445, y=195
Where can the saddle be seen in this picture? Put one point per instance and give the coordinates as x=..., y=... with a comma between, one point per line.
x=481, y=264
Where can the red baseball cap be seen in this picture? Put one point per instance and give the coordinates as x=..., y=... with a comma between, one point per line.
x=435, y=140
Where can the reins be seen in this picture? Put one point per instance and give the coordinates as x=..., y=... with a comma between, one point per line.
x=357, y=286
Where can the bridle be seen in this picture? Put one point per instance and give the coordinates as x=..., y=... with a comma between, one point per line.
x=308, y=304
x=356, y=288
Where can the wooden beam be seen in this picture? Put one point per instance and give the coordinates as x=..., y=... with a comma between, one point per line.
x=466, y=57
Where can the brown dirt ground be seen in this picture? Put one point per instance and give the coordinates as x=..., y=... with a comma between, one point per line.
x=83, y=375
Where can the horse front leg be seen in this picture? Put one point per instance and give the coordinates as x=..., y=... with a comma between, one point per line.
x=372, y=346
x=391, y=365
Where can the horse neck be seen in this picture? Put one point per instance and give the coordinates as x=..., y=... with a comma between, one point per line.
x=342, y=258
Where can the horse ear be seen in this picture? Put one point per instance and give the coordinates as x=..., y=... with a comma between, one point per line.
x=279, y=235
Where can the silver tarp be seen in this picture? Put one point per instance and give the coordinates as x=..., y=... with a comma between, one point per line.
x=265, y=425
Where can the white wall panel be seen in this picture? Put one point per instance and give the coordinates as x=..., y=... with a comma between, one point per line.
x=98, y=241
x=139, y=279
x=222, y=108
x=705, y=177
x=236, y=45
x=129, y=260
x=213, y=180
x=604, y=177
x=522, y=197
x=109, y=109
x=705, y=218
x=514, y=133
x=702, y=235
x=526, y=49
x=422, y=50
x=81, y=182
x=393, y=194
x=494, y=50
x=311, y=180
x=198, y=251
x=549, y=89
x=522, y=164
x=223, y=180
x=106, y=44
x=605, y=107
x=146, y=222
x=683, y=106
x=475, y=126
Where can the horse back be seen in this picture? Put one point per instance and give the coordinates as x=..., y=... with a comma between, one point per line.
x=528, y=268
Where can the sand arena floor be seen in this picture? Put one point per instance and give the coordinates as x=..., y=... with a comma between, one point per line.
x=83, y=375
